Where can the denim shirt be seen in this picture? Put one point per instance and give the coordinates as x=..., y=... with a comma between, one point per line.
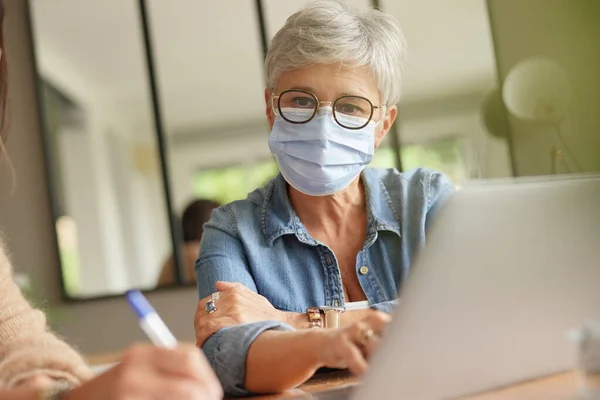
x=261, y=243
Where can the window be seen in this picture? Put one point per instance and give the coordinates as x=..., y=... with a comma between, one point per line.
x=66, y=230
x=446, y=155
x=235, y=182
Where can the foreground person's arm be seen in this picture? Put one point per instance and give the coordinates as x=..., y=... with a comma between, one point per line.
x=146, y=372
x=149, y=372
x=27, y=348
x=31, y=359
x=278, y=361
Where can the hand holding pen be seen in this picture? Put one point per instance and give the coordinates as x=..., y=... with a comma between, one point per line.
x=160, y=371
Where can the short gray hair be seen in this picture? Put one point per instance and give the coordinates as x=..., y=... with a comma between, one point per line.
x=329, y=31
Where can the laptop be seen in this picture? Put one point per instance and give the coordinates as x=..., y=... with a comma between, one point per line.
x=509, y=269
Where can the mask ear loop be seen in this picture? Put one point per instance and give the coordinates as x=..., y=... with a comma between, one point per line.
x=273, y=108
x=383, y=111
x=275, y=104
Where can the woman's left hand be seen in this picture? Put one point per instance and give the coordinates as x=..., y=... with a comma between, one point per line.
x=351, y=347
x=236, y=305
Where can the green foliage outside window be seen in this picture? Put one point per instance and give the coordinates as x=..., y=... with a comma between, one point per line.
x=446, y=156
x=235, y=182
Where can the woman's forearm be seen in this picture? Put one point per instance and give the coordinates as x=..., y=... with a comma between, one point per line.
x=278, y=361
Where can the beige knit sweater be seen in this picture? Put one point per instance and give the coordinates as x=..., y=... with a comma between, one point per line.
x=27, y=347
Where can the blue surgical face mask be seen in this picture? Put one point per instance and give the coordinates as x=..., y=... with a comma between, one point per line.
x=320, y=157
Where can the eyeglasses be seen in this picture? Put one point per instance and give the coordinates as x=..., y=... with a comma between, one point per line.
x=299, y=107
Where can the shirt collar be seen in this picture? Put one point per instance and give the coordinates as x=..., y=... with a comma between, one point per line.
x=379, y=203
x=279, y=218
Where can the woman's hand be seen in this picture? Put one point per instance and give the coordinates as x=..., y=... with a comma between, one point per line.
x=147, y=372
x=236, y=305
x=352, y=346
x=309, y=350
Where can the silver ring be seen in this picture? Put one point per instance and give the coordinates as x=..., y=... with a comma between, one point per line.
x=210, y=306
x=215, y=296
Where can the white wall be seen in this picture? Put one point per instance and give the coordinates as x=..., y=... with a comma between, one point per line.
x=121, y=217
x=117, y=205
x=81, y=199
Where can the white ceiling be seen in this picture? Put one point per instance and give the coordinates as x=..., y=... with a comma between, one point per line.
x=209, y=57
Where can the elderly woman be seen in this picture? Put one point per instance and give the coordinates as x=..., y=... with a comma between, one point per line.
x=327, y=233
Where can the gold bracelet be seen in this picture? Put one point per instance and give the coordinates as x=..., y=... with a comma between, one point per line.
x=314, y=317
x=332, y=316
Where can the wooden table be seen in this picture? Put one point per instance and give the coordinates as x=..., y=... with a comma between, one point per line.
x=103, y=358
x=319, y=383
x=556, y=387
x=560, y=386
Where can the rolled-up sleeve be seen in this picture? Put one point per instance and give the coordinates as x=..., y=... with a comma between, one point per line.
x=227, y=351
x=222, y=255
x=222, y=258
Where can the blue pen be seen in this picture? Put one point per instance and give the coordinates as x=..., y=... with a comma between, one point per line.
x=149, y=320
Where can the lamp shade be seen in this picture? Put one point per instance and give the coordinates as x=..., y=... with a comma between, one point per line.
x=537, y=89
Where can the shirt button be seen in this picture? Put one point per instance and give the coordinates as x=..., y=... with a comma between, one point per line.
x=363, y=270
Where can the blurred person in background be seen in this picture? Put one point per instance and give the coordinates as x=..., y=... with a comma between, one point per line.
x=328, y=232
x=35, y=364
x=195, y=215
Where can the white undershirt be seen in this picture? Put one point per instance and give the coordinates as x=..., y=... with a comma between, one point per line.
x=357, y=305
